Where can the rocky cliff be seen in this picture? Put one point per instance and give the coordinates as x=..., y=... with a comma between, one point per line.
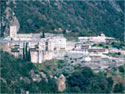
x=8, y=19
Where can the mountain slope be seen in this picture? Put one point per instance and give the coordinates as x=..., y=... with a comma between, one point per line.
x=19, y=76
x=94, y=17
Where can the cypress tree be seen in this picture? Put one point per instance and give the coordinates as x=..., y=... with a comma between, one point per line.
x=43, y=35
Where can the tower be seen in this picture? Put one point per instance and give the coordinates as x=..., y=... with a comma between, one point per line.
x=13, y=32
x=102, y=35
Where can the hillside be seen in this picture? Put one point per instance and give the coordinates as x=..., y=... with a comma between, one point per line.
x=19, y=76
x=74, y=16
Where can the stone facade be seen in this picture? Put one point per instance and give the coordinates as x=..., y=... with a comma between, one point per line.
x=97, y=39
x=41, y=49
x=13, y=32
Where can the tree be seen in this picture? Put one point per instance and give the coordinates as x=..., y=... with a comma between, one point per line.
x=64, y=31
x=76, y=89
x=83, y=33
x=19, y=71
x=106, y=47
x=24, y=53
x=119, y=53
x=118, y=88
x=110, y=83
x=43, y=35
x=121, y=69
x=87, y=81
x=28, y=57
x=94, y=45
x=102, y=45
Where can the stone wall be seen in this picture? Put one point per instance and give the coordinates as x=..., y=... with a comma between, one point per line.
x=34, y=56
x=48, y=55
x=5, y=46
x=13, y=32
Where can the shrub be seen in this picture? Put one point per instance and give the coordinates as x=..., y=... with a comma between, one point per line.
x=118, y=88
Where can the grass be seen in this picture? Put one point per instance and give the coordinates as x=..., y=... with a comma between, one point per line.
x=112, y=54
x=51, y=66
x=116, y=75
x=71, y=38
x=123, y=48
x=104, y=45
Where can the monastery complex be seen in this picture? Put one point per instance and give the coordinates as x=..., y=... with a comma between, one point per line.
x=42, y=47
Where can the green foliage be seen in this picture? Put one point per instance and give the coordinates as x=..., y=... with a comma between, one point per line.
x=102, y=45
x=94, y=45
x=121, y=69
x=118, y=45
x=119, y=53
x=3, y=6
x=64, y=31
x=43, y=34
x=95, y=17
x=110, y=83
x=82, y=80
x=4, y=88
x=85, y=81
x=53, y=67
x=71, y=37
x=113, y=54
x=13, y=69
x=84, y=33
x=118, y=88
x=48, y=87
x=28, y=57
x=26, y=53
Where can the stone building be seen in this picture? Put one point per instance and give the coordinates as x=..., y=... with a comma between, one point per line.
x=13, y=32
x=94, y=39
x=41, y=49
x=70, y=45
x=97, y=39
x=98, y=50
x=82, y=46
x=110, y=40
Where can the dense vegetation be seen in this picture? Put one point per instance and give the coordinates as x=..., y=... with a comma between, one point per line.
x=84, y=80
x=79, y=17
x=118, y=45
x=88, y=82
x=16, y=78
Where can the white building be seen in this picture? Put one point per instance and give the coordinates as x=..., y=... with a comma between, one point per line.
x=70, y=45
x=58, y=43
x=96, y=39
x=13, y=32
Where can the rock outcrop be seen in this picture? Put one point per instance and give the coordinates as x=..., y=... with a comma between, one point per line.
x=9, y=19
x=61, y=83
